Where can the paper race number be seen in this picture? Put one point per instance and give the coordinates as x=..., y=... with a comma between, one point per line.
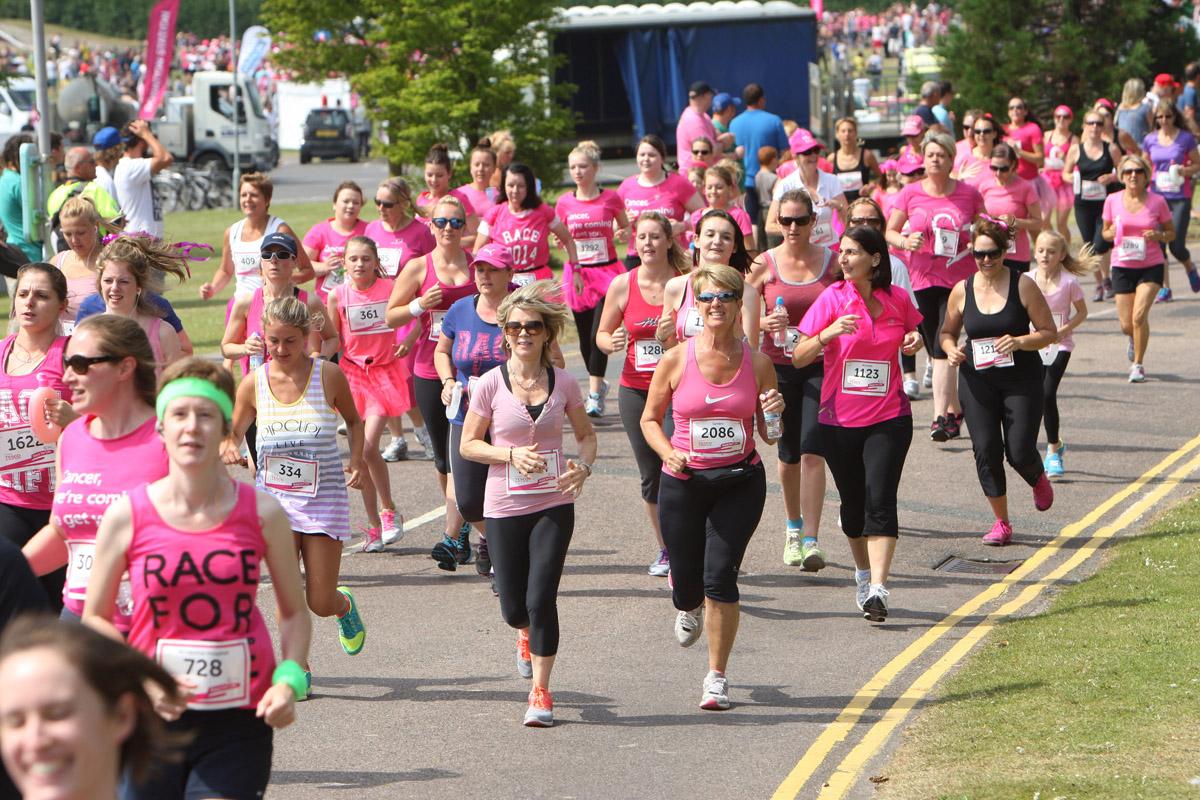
x=290, y=475
x=866, y=377
x=646, y=354
x=220, y=670
x=985, y=355
x=538, y=483
x=717, y=436
x=368, y=317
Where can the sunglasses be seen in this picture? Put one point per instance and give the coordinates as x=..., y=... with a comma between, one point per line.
x=1092, y=122
x=983, y=131
x=1016, y=107
x=533, y=327
x=787, y=222
x=456, y=223
x=999, y=170
x=866, y=221
x=985, y=255
x=1137, y=171
x=384, y=203
x=724, y=297
x=701, y=152
x=1062, y=116
x=277, y=255
x=81, y=364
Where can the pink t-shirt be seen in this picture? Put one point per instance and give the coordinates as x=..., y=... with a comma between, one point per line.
x=1130, y=249
x=424, y=199
x=863, y=384
x=509, y=494
x=480, y=201
x=739, y=216
x=397, y=248
x=1026, y=137
x=692, y=125
x=944, y=257
x=590, y=223
x=28, y=477
x=362, y=323
x=669, y=198
x=329, y=243
x=525, y=234
x=1062, y=305
x=1015, y=199
x=972, y=169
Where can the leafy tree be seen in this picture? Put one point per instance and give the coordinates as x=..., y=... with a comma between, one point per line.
x=1060, y=51
x=445, y=72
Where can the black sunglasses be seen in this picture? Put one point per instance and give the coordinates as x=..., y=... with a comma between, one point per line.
x=982, y=131
x=866, y=221
x=1016, y=107
x=533, y=327
x=1094, y=122
x=985, y=255
x=1135, y=171
x=787, y=222
x=724, y=297
x=456, y=223
x=81, y=364
x=384, y=203
x=998, y=169
x=701, y=152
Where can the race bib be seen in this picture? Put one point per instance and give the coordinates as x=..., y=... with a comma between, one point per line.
x=368, y=317
x=1012, y=243
x=435, y=324
x=1165, y=183
x=1091, y=190
x=67, y=326
x=1049, y=353
x=80, y=556
x=524, y=278
x=850, y=181
x=945, y=242
x=592, y=251
x=389, y=260
x=985, y=355
x=646, y=354
x=717, y=436
x=246, y=263
x=692, y=324
x=20, y=451
x=790, y=342
x=1055, y=163
x=1132, y=248
x=290, y=475
x=865, y=377
x=539, y=483
x=220, y=670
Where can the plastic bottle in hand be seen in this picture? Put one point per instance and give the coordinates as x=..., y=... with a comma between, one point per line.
x=781, y=335
x=46, y=432
x=455, y=401
x=774, y=421
x=256, y=359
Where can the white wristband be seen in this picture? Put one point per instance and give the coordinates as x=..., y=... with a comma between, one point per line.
x=415, y=308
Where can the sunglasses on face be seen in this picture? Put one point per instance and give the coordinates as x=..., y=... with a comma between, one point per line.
x=787, y=222
x=81, y=364
x=1016, y=107
x=1163, y=116
x=1093, y=122
x=1134, y=171
x=277, y=255
x=985, y=255
x=456, y=223
x=533, y=327
x=384, y=203
x=984, y=131
x=999, y=169
x=701, y=152
x=865, y=221
x=724, y=297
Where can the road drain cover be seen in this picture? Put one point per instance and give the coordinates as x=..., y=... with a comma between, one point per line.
x=977, y=566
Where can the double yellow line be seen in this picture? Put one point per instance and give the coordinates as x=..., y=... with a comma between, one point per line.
x=843, y=777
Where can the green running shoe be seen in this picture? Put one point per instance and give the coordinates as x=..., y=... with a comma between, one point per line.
x=352, y=634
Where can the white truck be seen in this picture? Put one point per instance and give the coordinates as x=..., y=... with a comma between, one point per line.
x=199, y=128
x=17, y=98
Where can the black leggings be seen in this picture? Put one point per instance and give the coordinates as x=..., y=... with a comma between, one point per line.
x=631, y=403
x=1089, y=218
x=706, y=527
x=587, y=323
x=1051, y=377
x=1181, y=215
x=429, y=400
x=866, y=464
x=1003, y=416
x=470, y=478
x=931, y=302
x=19, y=525
x=908, y=363
x=528, y=553
x=801, y=390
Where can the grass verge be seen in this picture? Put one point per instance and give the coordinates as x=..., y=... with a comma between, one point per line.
x=1095, y=698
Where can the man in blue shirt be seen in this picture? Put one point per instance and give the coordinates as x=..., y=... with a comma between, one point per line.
x=754, y=128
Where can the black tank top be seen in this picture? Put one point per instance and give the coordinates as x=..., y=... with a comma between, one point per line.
x=1012, y=319
x=860, y=167
x=1090, y=169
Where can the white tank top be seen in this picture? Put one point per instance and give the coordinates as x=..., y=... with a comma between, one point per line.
x=246, y=256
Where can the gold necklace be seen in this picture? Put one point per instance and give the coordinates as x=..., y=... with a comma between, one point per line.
x=29, y=356
x=527, y=386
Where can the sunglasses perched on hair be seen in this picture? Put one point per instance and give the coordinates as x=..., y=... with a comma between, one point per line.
x=456, y=223
x=277, y=255
x=384, y=203
x=787, y=222
x=865, y=221
x=985, y=255
x=701, y=152
x=1133, y=171
x=724, y=297
x=533, y=327
x=81, y=364
x=1000, y=169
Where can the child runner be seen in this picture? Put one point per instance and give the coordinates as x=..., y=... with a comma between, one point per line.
x=720, y=191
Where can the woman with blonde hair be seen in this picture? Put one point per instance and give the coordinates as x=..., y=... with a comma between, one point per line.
x=80, y=226
x=1134, y=117
x=505, y=147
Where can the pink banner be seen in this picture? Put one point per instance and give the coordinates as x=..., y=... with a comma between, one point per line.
x=160, y=52
x=818, y=6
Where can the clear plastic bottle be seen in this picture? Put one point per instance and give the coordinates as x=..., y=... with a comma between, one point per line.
x=774, y=422
x=780, y=336
x=455, y=401
x=256, y=359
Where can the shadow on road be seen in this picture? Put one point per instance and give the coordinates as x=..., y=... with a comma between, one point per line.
x=357, y=780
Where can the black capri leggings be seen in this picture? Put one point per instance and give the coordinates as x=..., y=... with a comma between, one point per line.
x=429, y=400
x=528, y=553
x=801, y=390
x=1089, y=218
x=1181, y=214
x=866, y=464
x=470, y=478
x=1052, y=375
x=931, y=302
x=631, y=403
x=706, y=527
x=1003, y=416
x=19, y=525
x=586, y=324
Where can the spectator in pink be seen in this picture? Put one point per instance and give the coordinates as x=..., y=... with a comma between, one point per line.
x=694, y=122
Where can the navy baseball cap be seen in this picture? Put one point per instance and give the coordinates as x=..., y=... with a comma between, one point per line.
x=106, y=138
x=279, y=240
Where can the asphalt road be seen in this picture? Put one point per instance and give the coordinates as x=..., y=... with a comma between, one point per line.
x=432, y=706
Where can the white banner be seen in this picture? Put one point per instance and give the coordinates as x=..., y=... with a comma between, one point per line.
x=256, y=43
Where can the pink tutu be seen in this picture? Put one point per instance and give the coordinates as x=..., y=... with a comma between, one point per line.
x=382, y=390
x=595, y=282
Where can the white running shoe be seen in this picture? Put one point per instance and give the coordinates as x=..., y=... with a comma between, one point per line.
x=928, y=381
x=875, y=608
x=397, y=450
x=912, y=390
x=1137, y=374
x=373, y=543
x=391, y=526
x=716, y=692
x=661, y=565
x=862, y=591
x=689, y=625
x=426, y=442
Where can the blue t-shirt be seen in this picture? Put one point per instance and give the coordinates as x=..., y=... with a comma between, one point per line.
x=755, y=128
x=1188, y=98
x=94, y=304
x=478, y=346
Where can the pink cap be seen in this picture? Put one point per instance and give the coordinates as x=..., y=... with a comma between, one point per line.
x=913, y=126
x=1164, y=79
x=495, y=255
x=891, y=165
x=1106, y=103
x=910, y=163
x=802, y=141
x=1063, y=110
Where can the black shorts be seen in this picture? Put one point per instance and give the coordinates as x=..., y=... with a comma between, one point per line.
x=801, y=390
x=931, y=302
x=1126, y=280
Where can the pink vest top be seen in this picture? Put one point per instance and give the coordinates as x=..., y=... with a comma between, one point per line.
x=431, y=321
x=714, y=422
x=644, y=351
x=362, y=323
x=194, y=602
x=797, y=299
x=254, y=321
x=27, y=479
x=688, y=322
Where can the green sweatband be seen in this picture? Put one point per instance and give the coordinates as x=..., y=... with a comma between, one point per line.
x=292, y=674
x=193, y=387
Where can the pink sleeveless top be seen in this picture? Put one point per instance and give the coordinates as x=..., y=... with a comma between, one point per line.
x=688, y=322
x=714, y=422
x=77, y=290
x=797, y=299
x=194, y=602
x=27, y=476
x=254, y=321
x=362, y=323
x=431, y=321
x=644, y=351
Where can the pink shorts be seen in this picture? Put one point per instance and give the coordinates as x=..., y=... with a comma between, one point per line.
x=595, y=284
x=383, y=390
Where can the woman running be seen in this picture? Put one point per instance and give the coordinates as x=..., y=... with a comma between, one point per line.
x=325, y=242
x=823, y=188
x=113, y=448
x=80, y=263
x=632, y=310
x=423, y=292
x=131, y=268
x=853, y=164
x=1091, y=166
x=29, y=359
x=592, y=216
x=1006, y=321
x=1025, y=136
x=972, y=167
x=439, y=169
x=1056, y=276
x=483, y=165
x=1173, y=154
x=1134, y=218
x=790, y=278
x=857, y=325
x=529, y=506
x=714, y=485
x=721, y=192
x=523, y=222
x=1014, y=201
x=197, y=539
x=938, y=211
x=1058, y=143
x=655, y=188
x=295, y=400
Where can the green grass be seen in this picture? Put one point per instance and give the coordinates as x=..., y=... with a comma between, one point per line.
x=1095, y=698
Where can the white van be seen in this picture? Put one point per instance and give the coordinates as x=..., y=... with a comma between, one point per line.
x=17, y=100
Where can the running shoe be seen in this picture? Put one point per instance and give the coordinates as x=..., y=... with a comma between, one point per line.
x=1194, y=279
x=954, y=425
x=374, y=541
x=307, y=687
x=392, y=530
x=397, y=450
x=1000, y=534
x=540, y=713
x=351, y=632
x=1129, y=350
x=793, y=555
x=689, y=625
x=1109, y=294
x=912, y=389
x=875, y=606
x=524, y=660
x=593, y=406
x=716, y=692
x=661, y=565
x=450, y=553
x=483, y=561
x=927, y=382
x=813, y=560
x=1099, y=295
x=937, y=430
x=426, y=442
x=862, y=591
x=1164, y=295
x=1054, y=462
x=1043, y=493
x=1137, y=374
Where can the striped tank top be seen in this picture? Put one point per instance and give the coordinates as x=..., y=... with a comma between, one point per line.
x=299, y=462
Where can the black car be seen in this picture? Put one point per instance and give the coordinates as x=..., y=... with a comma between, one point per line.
x=328, y=133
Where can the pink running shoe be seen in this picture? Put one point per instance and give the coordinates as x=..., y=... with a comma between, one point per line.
x=999, y=535
x=1043, y=493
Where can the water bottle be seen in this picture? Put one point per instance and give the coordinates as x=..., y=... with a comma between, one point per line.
x=774, y=422
x=125, y=597
x=780, y=336
x=256, y=359
x=1176, y=176
x=46, y=432
x=455, y=401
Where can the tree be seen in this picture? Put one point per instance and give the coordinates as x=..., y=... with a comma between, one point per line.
x=1060, y=51
x=451, y=71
